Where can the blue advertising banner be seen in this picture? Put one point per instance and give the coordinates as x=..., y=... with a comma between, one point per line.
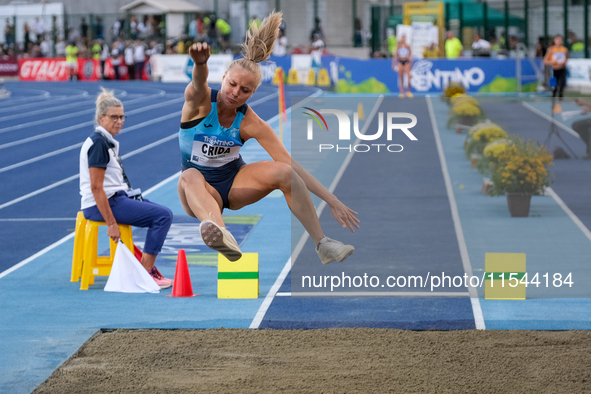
x=431, y=75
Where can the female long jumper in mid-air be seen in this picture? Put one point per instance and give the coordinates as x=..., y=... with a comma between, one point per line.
x=215, y=125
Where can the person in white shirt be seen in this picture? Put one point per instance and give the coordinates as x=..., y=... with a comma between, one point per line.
x=105, y=189
x=480, y=46
x=39, y=29
x=280, y=48
x=60, y=48
x=139, y=57
x=317, y=50
x=129, y=62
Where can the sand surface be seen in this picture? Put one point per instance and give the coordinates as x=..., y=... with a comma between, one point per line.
x=344, y=360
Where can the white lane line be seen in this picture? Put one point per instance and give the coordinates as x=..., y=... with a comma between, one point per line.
x=256, y=322
x=78, y=145
x=37, y=219
x=475, y=301
x=72, y=147
x=73, y=177
x=44, y=94
x=79, y=113
x=549, y=119
x=42, y=99
x=570, y=213
x=51, y=109
x=37, y=158
x=160, y=184
x=38, y=254
x=80, y=125
x=421, y=294
x=47, y=100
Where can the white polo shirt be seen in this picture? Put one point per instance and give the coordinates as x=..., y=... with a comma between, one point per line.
x=98, y=152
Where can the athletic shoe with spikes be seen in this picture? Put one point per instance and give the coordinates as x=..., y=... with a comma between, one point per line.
x=330, y=250
x=160, y=280
x=220, y=239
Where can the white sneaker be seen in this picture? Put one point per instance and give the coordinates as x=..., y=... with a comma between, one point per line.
x=220, y=239
x=330, y=250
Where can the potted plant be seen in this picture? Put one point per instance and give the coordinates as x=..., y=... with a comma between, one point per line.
x=520, y=172
x=464, y=113
x=479, y=137
x=452, y=89
x=485, y=162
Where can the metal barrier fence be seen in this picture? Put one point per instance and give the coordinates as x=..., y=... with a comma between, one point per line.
x=504, y=23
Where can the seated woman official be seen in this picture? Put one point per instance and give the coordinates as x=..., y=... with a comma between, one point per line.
x=106, y=192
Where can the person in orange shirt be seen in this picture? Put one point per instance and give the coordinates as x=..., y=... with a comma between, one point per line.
x=556, y=57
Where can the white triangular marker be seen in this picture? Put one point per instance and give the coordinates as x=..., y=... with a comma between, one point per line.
x=128, y=275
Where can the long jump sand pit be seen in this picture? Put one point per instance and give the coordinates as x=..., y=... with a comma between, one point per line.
x=342, y=360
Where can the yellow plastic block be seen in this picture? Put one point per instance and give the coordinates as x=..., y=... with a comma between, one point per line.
x=323, y=79
x=239, y=279
x=292, y=77
x=501, y=286
x=311, y=78
x=360, y=112
x=276, y=77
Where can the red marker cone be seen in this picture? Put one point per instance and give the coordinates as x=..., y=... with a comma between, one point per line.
x=182, y=280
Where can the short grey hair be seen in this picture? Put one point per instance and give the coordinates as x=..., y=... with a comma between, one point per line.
x=105, y=100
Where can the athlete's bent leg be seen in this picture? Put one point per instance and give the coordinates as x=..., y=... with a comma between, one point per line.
x=198, y=198
x=254, y=181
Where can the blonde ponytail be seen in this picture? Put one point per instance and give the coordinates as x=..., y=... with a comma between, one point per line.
x=258, y=45
x=105, y=100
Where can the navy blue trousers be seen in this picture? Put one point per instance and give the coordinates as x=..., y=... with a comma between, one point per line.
x=139, y=214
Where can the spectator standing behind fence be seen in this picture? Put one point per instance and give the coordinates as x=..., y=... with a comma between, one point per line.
x=115, y=61
x=104, y=56
x=46, y=48
x=60, y=48
x=254, y=21
x=129, y=62
x=72, y=59
x=96, y=50
x=280, y=47
x=39, y=29
x=9, y=33
x=139, y=57
x=453, y=46
x=133, y=28
x=84, y=28
x=225, y=30
x=27, y=37
x=212, y=34
x=541, y=47
x=480, y=46
x=357, y=35
x=316, y=51
x=99, y=28
x=556, y=57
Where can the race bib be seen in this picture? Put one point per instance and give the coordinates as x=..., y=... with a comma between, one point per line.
x=559, y=57
x=214, y=151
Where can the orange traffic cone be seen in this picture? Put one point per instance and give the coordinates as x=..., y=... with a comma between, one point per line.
x=182, y=280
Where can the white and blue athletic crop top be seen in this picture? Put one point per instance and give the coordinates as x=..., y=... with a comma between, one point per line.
x=205, y=144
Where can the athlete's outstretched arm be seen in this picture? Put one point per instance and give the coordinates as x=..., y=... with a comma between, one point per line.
x=197, y=90
x=255, y=127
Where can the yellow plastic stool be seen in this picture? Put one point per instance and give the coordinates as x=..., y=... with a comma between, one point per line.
x=85, y=263
x=78, y=247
